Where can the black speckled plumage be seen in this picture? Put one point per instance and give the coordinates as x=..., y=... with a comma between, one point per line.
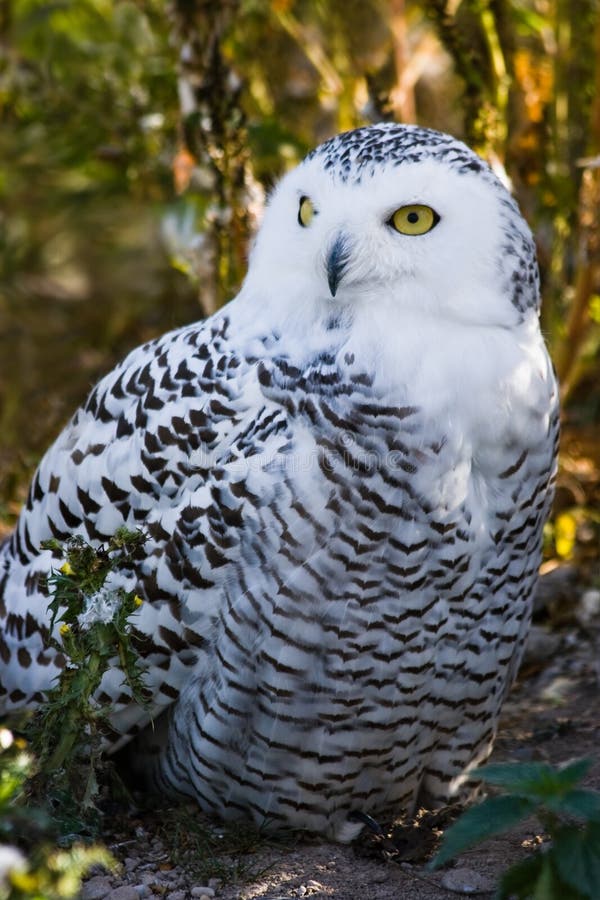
x=344, y=497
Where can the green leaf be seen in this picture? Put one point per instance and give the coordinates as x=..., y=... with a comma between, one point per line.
x=513, y=776
x=570, y=775
x=534, y=878
x=548, y=886
x=51, y=544
x=493, y=816
x=534, y=780
x=581, y=803
x=576, y=854
x=519, y=881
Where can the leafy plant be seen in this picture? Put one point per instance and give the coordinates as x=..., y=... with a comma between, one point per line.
x=47, y=797
x=31, y=866
x=94, y=613
x=569, y=867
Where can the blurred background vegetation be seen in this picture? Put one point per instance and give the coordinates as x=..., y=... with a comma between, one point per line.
x=138, y=139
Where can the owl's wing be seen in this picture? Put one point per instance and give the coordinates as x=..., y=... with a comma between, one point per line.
x=147, y=450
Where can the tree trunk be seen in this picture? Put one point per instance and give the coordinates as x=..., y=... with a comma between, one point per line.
x=214, y=133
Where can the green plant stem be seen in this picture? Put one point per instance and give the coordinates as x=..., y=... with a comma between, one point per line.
x=499, y=71
x=567, y=353
x=65, y=746
x=75, y=715
x=312, y=49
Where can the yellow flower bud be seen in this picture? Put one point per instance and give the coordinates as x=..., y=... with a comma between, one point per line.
x=67, y=569
x=137, y=600
x=64, y=628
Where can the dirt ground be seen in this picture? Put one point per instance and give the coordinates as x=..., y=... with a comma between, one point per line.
x=552, y=714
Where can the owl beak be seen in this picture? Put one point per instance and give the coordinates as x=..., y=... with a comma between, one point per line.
x=338, y=258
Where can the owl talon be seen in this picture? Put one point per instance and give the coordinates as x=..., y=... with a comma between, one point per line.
x=357, y=816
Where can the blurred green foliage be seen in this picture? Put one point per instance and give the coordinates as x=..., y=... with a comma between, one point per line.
x=125, y=210
x=32, y=865
x=569, y=865
x=88, y=113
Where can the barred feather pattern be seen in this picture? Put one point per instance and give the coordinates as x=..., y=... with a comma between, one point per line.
x=365, y=643
x=344, y=533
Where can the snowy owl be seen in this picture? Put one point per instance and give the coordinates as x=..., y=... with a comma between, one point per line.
x=344, y=475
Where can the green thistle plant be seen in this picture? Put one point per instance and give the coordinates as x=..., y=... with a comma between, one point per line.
x=569, y=867
x=95, y=635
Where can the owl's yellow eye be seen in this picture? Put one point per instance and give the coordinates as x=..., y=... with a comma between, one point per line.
x=306, y=212
x=414, y=219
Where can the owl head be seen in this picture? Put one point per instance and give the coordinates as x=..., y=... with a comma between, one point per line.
x=392, y=220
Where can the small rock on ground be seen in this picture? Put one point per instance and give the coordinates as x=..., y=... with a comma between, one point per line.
x=467, y=881
x=96, y=888
x=125, y=892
